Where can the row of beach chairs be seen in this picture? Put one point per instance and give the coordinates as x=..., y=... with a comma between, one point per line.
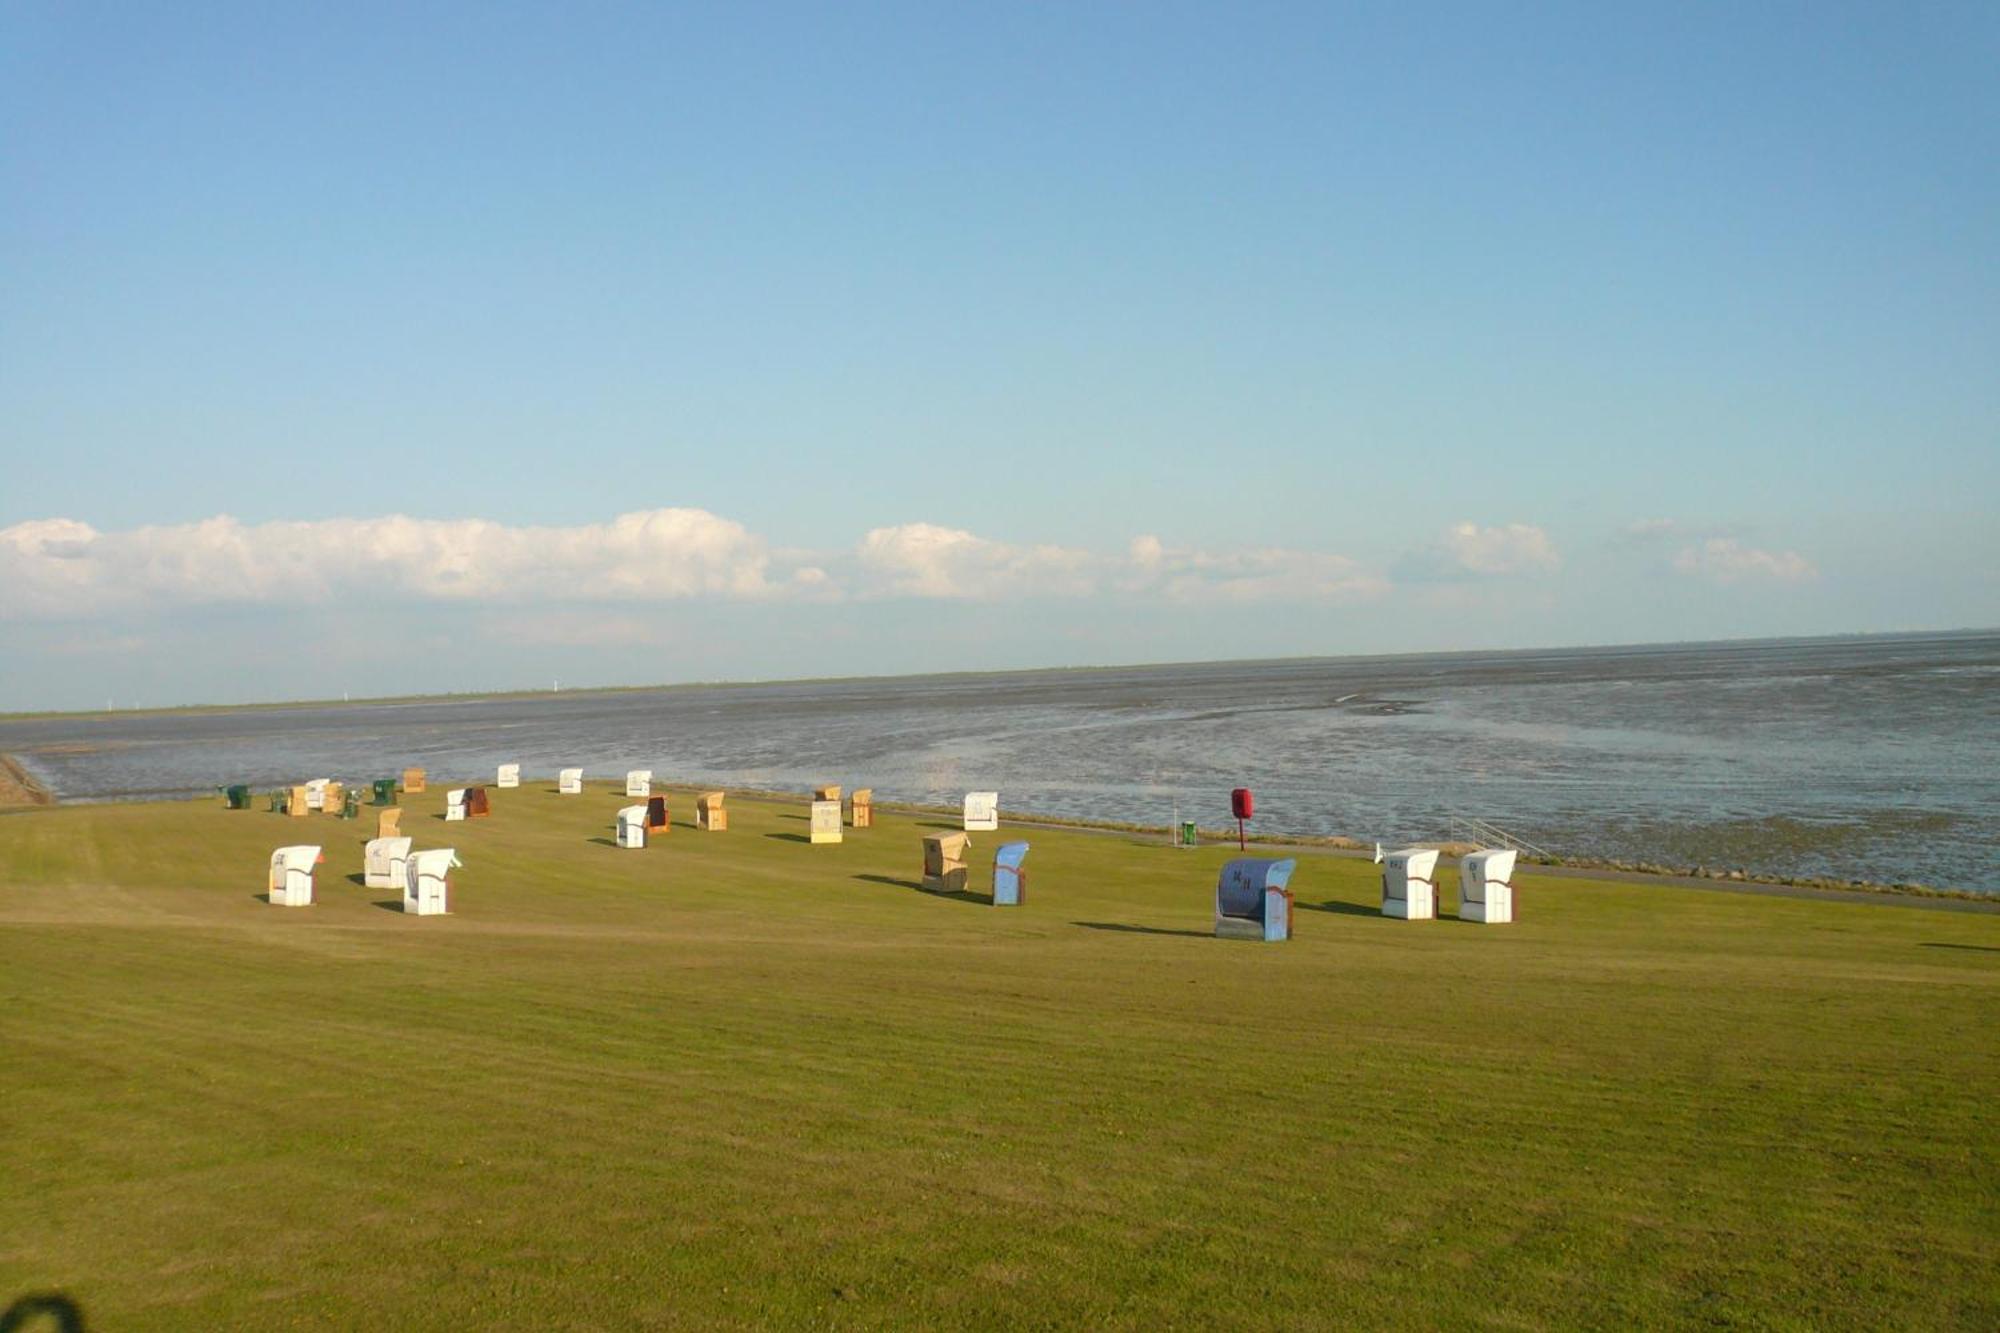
x=389, y=863
x=981, y=810
x=1252, y=897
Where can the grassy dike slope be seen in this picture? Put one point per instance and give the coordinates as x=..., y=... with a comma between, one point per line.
x=738, y=1079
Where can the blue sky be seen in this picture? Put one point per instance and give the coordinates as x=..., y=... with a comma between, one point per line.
x=937, y=337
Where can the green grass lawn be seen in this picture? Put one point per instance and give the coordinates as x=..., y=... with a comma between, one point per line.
x=738, y=1079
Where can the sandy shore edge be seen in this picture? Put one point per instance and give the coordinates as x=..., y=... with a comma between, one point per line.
x=17, y=787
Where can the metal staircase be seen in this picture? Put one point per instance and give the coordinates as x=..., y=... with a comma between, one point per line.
x=1465, y=828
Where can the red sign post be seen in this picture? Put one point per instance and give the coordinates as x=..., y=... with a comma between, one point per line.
x=1242, y=805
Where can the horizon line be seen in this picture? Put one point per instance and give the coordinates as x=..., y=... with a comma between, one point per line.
x=533, y=692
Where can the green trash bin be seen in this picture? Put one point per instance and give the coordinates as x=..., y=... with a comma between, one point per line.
x=350, y=806
x=385, y=791
x=1188, y=837
x=236, y=797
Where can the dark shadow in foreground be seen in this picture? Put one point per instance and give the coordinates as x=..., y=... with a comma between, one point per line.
x=1342, y=909
x=789, y=837
x=1969, y=948
x=1140, y=930
x=960, y=895
x=43, y=1309
x=892, y=882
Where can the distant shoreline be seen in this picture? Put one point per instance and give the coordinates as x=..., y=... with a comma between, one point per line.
x=478, y=696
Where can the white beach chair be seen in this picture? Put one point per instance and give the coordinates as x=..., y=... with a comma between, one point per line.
x=982, y=811
x=1407, y=888
x=384, y=862
x=427, y=881
x=291, y=878
x=1486, y=886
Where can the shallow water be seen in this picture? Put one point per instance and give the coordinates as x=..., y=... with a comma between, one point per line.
x=1875, y=758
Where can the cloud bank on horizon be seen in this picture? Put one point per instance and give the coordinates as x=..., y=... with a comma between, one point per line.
x=62, y=568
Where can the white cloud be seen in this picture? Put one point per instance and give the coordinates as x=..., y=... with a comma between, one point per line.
x=65, y=569
x=1467, y=550
x=60, y=567
x=925, y=560
x=1517, y=548
x=1265, y=574
x=1712, y=552
x=44, y=564
x=1726, y=560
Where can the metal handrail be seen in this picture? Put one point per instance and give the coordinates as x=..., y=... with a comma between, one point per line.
x=1493, y=835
